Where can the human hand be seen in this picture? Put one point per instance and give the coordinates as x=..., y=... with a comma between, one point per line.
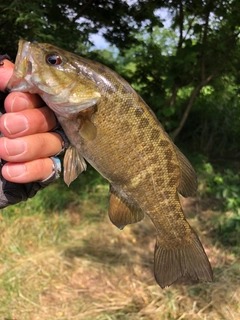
x=27, y=143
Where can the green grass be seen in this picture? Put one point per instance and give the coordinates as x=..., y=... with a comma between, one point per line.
x=61, y=258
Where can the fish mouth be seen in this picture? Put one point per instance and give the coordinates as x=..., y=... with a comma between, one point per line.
x=22, y=69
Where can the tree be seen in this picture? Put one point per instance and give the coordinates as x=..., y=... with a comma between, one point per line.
x=208, y=42
x=205, y=47
x=66, y=23
x=168, y=65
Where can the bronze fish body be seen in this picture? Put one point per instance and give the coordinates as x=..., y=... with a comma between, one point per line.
x=110, y=126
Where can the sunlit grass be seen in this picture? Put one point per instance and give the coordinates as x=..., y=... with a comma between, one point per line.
x=61, y=258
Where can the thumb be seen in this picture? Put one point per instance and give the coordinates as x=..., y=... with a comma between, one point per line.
x=6, y=71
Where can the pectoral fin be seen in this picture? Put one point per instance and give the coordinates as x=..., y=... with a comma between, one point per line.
x=188, y=182
x=88, y=131
x=74, y=164
x=123, y=211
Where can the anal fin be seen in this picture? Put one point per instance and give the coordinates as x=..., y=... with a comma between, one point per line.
x=123, y=211
x=74, y=164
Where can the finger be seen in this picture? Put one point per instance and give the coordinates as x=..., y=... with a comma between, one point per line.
x=18, y=101
x=30, y=148
x=5, y=74
x=36, y=170
x=27, y=122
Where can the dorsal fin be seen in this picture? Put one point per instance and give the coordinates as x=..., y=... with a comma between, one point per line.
x=188, y=182
x=123, y=211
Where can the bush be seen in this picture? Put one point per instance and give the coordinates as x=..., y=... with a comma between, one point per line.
x=225, y=186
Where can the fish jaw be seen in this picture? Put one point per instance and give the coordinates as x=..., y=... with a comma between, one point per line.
x=32, y=74
x=21, y=78
x=25, y=77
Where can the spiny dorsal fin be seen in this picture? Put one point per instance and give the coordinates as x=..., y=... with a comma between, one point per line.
x=188, y=182
x=74, y=164
x=123, y=211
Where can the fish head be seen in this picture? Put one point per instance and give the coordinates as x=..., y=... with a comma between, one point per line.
x=59, y=77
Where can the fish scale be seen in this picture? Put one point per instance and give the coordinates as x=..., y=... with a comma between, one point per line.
x=111, y=127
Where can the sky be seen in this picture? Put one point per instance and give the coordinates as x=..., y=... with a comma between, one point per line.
x=101, y=43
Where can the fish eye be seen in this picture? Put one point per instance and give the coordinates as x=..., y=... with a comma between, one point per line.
x=54, y=59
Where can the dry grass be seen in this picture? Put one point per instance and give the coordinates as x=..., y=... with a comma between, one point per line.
x=69, y=262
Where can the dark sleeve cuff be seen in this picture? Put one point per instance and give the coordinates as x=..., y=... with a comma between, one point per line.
x=12, y=193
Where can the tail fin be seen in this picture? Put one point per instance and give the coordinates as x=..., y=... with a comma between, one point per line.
x=187, y=261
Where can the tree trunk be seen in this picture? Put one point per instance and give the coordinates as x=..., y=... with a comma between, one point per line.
x=191, y=100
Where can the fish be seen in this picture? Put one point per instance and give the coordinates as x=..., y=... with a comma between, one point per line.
x=111, y=127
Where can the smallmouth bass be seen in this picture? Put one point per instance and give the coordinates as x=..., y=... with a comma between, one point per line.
x=112, y=128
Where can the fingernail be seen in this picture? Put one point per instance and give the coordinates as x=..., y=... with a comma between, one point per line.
x=15, y=147
x=20, y=103
x=16, y=170
x=15, y=123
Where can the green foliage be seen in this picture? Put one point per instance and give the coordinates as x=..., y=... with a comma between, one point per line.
x=229, y=191
x=224, y=185
x=168, y=64
x=213, y=126
x=68, y=23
